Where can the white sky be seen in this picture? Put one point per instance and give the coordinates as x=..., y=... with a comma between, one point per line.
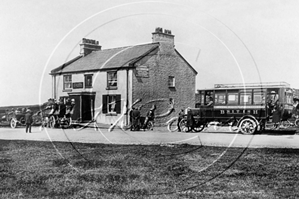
x=227, y=41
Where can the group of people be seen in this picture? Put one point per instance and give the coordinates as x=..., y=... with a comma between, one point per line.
x=61, y=108
x=135, y=118
x=275, y=110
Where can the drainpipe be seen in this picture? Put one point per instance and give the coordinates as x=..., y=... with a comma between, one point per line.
x=53, y=86
x=127, y=96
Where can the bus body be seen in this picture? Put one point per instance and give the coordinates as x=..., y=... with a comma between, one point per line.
x=251, y=105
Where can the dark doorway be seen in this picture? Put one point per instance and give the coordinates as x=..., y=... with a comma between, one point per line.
x=84, y=106
x=88, y=107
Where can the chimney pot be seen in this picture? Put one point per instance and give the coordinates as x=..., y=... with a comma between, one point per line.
x=89, y=45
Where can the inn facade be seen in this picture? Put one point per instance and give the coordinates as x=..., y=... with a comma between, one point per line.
x=107, y=82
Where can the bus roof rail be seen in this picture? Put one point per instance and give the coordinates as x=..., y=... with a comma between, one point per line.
x=249, y=85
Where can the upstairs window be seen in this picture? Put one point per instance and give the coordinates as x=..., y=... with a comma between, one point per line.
x=171, y=81
x=67, y=82
x=88, y=81
x=112, y=80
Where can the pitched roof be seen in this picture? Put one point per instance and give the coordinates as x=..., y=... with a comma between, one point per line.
x=114, y=58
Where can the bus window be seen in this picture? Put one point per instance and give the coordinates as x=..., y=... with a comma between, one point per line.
x=201, y=99
x=233, y=98
x=258, y=98
x=245, y=98
x=289, y=96
x=208, y=95
x=272, y=97
x=202, y=94
x=220, y=98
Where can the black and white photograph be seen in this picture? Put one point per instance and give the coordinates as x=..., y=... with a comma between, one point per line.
x=154, y=99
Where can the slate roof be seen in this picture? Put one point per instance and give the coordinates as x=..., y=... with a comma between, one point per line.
x=114, y=58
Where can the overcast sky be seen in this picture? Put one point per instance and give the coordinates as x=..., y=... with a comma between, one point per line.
x=228, y=41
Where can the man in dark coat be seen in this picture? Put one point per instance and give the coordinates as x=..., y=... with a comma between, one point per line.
x=277, y=115
x=180, y=117
x=190, y=120
x=149, y=117
x=135, y=114
x=28, y=120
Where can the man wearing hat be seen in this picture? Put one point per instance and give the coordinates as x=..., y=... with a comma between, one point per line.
x=28, y=120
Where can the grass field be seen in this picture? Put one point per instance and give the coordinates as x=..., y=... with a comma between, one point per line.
x=30, y=169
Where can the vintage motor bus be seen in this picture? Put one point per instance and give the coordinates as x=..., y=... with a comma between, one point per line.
x=249, y=107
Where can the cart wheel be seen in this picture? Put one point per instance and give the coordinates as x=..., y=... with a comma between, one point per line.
x=52, y=122
x=183, y=125
x=67, y=123
x=45, y=122
x=150, y=126
x=13, y=123
x=247, y=126
x=286, y=124
x=297, y=122
x=172, y=125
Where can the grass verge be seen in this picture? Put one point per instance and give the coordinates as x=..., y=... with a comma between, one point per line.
x=30, y=169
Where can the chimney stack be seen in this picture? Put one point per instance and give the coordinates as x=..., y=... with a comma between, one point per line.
x=89, y=45
x=163, y=37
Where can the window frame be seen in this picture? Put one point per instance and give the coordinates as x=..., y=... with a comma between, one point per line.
x=242, y=94
x=236, y=94
x=65, y=88
x=85, y=81
x=171, y=81
x=107, y=104
x=115, y=79
x=216, y=98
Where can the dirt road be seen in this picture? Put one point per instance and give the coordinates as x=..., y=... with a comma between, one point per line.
x=158, y=136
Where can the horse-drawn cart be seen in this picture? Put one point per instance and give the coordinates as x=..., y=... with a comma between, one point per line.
x=57, y=115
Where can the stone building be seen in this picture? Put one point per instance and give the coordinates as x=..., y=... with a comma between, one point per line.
x=107, y=82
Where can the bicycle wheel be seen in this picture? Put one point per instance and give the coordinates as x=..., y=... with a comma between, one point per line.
x=172, y=125
x=183, y=125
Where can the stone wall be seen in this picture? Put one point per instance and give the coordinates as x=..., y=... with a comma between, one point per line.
x=154, y=89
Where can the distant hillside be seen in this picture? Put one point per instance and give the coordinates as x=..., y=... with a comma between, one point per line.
x=34, y=108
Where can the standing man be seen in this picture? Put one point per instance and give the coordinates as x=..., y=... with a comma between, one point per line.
x=28, y=120
x=149, y=117
x=190, y=120
x=135, y=119
x=180, y=117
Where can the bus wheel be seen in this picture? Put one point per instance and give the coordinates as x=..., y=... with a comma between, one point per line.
x=247, y=126
x=199, y=127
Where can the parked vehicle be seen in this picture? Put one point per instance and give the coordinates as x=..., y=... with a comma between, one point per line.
x=248, y=107
x=15, y=118
x=57, y=114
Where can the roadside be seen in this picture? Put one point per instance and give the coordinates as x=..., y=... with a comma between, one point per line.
x=158, y=136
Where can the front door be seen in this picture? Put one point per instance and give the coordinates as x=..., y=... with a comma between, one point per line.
x=84, y=106
x=88, y=107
